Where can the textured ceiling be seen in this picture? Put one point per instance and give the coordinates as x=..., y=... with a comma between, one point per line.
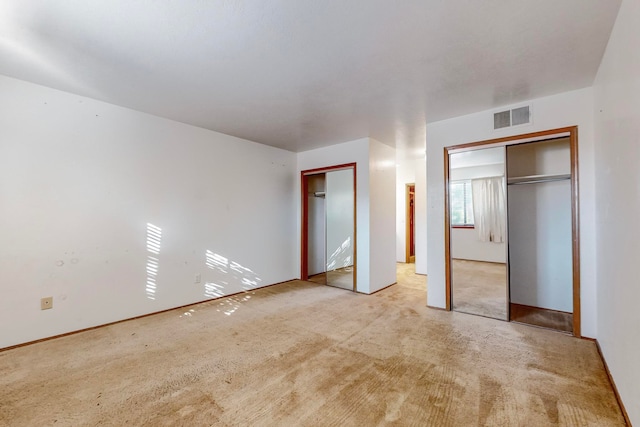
x=300, y=74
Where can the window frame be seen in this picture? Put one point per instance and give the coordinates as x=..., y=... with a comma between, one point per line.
x=466, y=182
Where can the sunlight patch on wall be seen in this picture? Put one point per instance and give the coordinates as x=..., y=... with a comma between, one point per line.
x=228, y=272
x=154, y=240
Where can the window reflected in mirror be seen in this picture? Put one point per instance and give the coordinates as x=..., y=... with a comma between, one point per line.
x=477, y=209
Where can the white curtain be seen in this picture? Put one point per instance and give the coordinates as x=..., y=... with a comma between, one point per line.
x=489, y=208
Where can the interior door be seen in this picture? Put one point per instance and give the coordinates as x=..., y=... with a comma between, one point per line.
x=411, y=232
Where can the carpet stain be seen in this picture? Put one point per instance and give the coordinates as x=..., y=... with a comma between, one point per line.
x=489, y=392
x=551, y=407
x=393, y=402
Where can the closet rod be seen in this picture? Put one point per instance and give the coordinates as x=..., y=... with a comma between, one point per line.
x=535, y=179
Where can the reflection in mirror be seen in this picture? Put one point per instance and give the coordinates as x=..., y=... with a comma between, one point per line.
x=339, y=228
x=478, y=232
x=331, y=216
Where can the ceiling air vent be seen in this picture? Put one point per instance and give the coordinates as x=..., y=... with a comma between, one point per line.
x=520, y=116
x=502, y=119
x=514, y=117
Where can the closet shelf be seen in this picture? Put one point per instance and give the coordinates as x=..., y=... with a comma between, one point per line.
x=534, y=179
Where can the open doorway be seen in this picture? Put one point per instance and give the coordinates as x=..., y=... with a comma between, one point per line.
x=328, y=226
x=410, y=224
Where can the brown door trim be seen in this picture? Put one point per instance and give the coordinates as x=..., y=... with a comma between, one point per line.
x=409, y=218
x=575, y=206
x=304, y=234
x=447, y=232
x=575, y=230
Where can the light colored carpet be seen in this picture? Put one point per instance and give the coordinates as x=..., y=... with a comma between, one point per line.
x=479, y=288
x=310, y=355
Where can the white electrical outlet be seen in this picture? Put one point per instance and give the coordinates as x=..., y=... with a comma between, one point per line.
x=198, y=278
x=46, y=303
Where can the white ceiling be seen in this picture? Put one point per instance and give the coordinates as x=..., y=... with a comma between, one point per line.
x=480, y=157
x=300, y=74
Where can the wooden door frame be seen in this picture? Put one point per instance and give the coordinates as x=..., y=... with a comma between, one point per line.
x=572, y=133
x=408, y=219
x=304, y=226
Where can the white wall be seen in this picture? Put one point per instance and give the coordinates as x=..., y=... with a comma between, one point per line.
x=540, y=238
x=466, y=245
x=339, y=219
x=540, y=245
x=80, y=180
x=565, y=109
x=421, y=217
x=382, y=195
x=617, y=130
